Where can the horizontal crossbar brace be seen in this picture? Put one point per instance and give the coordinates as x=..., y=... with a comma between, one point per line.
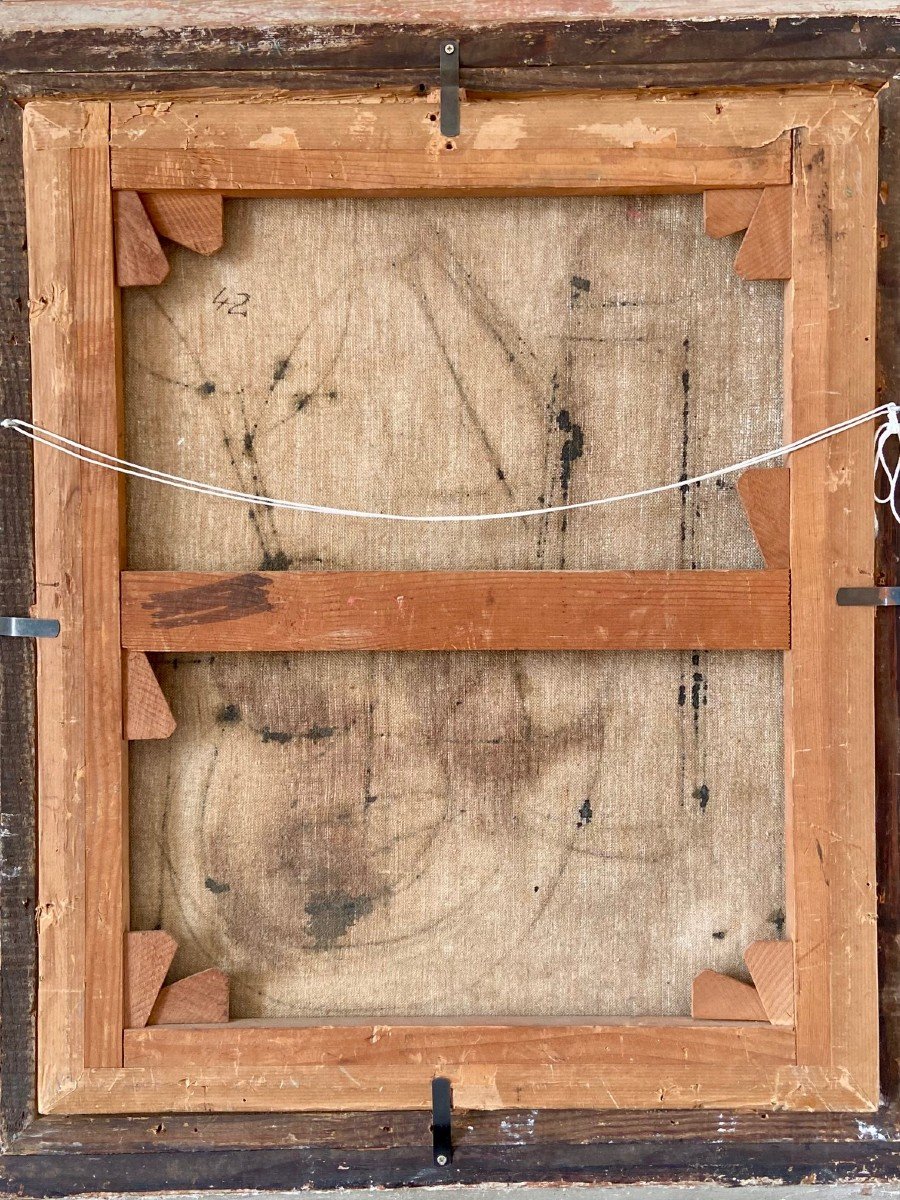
x=446, y=610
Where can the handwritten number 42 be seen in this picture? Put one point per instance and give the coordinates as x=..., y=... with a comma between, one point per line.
x=235, y=306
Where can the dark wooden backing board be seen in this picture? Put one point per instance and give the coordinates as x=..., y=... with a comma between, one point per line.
x=347, y=1149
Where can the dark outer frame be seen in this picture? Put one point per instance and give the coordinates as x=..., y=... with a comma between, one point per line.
x=52, y=1156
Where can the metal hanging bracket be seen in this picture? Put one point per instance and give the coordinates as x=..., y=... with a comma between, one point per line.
x=868, y=597
x=450, y=88
x=441, y=1121
x=24, y=627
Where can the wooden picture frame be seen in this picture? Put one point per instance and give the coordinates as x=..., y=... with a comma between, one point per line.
x=811, y=158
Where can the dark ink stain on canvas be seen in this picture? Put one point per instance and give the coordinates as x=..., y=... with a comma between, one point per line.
x=580, y=287
x=572, y=449
x=318, y=733
x=332, y=914
x=281, y=369
x=276, y=735
x=275, y=561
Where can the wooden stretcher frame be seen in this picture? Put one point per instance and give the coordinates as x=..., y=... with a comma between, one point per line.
x=819, y=144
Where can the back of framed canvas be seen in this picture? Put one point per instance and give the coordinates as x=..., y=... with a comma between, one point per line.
x=499, y=801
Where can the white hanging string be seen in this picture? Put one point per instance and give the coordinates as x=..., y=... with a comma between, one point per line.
x=891, y=428
x=97, y=458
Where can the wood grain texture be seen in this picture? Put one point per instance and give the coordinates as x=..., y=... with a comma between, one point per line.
x=83, y=914
x=147, y=715
x=100, y=1077
x=97, y=387
x=388, y=44
x=65, y=193
x=359, y=1148
x=123, y=17
x=766, y=496
x=484, y=1132
x=829, y=695
x=771, y=967
x=653, y=123
x=518, y=81
x=148, y=956
x=729, y=210
x=805, y=1143
x=199, y=999
x=365, y=1045
x=491, y=610
x=448, y=169
x=193, y=219
x=352, y=1147
x=716, y=997
x=729, y=1084
x=765, y=252
x=18, y=951
x=887, y=630
x=140, y=259
x=559, y=144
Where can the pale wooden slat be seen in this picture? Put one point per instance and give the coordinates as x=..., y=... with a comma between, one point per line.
x=771, y=967
x=140, y=259
x=148, y=956
x=830, y=793
x=729, y=210
x=147, y=714
x=731, y=1084
x=436, y=610
x=193, y=219
x=519, y=127
x=106, y=805
x=450, y=172
x=58, y=573
x=765, y=493
x=765, y=252
x=199, y=999
x=716, y=997
x=369, y=1045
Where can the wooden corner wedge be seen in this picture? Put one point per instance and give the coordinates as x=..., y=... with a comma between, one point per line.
x=193, y=219
x=200, y=999
x=148, y=956
x=147, y=713
x=140, y=259
x=765, y=252
x=716, y=997
x=766, y=495
x=771, y=967
x=729, y=210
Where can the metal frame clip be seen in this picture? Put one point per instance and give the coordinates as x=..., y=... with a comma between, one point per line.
x=25, y=627
x=868, y=597
x=450, y=87
x=441, y=1121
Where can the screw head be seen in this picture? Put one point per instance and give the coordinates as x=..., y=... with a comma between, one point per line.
x=441, y=1160
x=449, y=48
